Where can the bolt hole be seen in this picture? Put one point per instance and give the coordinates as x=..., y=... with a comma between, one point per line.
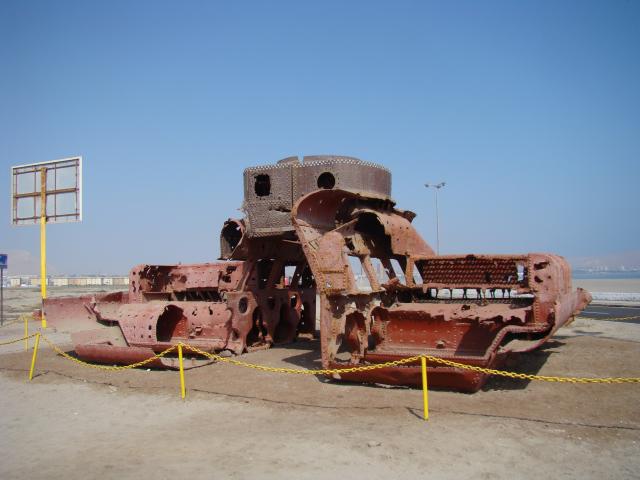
x=243, y=304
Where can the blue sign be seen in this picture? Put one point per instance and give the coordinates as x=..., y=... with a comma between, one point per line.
x=3, y=260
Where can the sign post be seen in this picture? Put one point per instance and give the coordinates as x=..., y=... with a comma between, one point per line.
x=43, y=241
x=3, y=264
x=46, y=192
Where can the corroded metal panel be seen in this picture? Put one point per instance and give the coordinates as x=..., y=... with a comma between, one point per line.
x=473, y=309
x=271, y=190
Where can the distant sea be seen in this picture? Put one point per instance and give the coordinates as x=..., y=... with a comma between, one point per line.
x=583, y=275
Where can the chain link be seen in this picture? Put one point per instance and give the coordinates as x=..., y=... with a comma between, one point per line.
x=20, y=319
x=18, y=340
x=395, y=363
x=108, y=367
x=12, y=322
x=527, y=376
x=332, y=371
x=299, y=371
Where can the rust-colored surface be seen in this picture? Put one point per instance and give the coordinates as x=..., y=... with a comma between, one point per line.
x=326, y=228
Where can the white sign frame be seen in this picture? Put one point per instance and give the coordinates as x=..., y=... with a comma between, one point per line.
x=52, y=195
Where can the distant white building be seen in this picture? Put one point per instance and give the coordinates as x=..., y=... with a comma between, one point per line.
x=60, y=281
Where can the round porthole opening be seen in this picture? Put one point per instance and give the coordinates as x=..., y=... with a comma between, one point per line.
x=326, y=180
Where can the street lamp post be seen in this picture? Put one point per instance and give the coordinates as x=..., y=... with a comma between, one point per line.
x=436, y=187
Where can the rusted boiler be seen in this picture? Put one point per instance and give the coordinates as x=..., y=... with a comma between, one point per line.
x=326, y=229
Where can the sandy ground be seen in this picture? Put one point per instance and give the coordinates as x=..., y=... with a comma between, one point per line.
x=618, y=285
x=624, y=292
x=74, y=422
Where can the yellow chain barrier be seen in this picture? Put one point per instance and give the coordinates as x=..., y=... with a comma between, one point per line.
x=18, y=339
x=61, y=352
x=12, y=322
x=20, y=319
x=527, y=376
x=299, y=371
x=441, y=361
x=364, y=368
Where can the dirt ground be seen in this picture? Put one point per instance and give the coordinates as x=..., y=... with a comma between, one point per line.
x=620, y=285
x=75, y=422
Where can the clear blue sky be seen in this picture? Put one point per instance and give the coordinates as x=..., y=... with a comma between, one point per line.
x=530, y=111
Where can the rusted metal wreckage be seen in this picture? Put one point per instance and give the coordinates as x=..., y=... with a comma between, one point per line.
x=327, y=228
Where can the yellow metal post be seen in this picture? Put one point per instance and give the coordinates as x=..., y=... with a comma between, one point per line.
x=35, y=354
x=182, y=390
x=425, y=390
x=43, y=240
x=26, y=332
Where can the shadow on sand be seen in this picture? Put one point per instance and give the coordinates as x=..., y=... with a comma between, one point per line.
x=529, y=363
